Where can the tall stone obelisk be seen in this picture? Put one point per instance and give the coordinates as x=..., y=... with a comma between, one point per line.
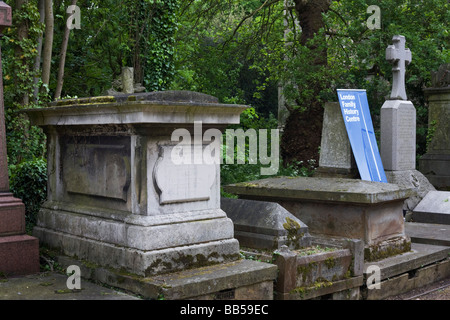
x=19, y=253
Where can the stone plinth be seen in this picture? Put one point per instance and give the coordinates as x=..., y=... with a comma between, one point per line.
x=350, y=208
x=435, y=164
x=117, y=199
x=398, y=135
x=19, y=253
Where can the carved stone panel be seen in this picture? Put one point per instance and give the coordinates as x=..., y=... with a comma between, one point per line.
x=183, y=182
x=97, y=166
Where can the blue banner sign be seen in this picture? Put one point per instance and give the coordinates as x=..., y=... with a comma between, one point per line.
x=355, y=110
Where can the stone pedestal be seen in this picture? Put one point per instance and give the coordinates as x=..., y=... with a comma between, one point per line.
x=398, y=135
x=435, y=164
x=119, y=197
x=349, y=208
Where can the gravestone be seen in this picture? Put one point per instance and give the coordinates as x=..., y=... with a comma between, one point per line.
x=398, y=116
x=398, y=130
x=115, y=196
x=19, y=252
x=435, y=164
x=336, y=157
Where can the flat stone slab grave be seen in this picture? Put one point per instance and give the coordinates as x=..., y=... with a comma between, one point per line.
x=434, y=208
x=351, y=208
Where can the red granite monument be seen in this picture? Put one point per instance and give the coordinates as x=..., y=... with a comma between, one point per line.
x=19, y=252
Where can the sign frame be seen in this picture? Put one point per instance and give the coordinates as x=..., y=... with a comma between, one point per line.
x=358, y=123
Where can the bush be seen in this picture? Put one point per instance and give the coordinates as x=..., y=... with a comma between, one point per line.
x=28, y=181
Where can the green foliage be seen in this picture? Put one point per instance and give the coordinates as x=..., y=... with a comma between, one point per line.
x=23, y=142
x=212, y=58
x=28, y=181
x=234, y=173
x=159, y=43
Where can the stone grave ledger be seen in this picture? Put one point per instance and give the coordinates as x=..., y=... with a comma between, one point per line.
x=336, y=157
x=117, y=198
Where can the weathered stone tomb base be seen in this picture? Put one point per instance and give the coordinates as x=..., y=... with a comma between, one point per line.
x=140, y=245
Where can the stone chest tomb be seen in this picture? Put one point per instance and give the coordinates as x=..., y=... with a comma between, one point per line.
x=115, y=197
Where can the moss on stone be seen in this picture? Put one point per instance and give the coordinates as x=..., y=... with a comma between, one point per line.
x=379, y=252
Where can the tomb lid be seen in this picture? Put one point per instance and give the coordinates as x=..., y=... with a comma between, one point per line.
x=319, y=189
x=164, y=107
x=156, y=96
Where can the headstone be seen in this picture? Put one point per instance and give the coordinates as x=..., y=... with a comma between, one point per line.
x=398, y=130
x=117, y=199
x=441, y=77
x=265, y=225
x=336, y=157
x=435, y=164
x=398, y=116
x=19, y=253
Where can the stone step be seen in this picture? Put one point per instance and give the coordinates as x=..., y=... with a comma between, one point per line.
x=419, y=256
x=238, y=280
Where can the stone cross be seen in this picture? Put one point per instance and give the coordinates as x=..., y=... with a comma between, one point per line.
x=400, y=57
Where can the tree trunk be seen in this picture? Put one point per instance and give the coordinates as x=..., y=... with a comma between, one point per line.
x=37, y=62
x=62, y=60
x=22, y=33
x=48, y=42
x=302, y=133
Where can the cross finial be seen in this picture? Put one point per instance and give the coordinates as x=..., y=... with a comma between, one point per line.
x=400, y=57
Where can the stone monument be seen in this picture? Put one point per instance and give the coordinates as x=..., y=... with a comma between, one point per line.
x=19, y=253
x=435, y=164
x=117, y=198
x=398, y=116
x=335, y=207
x=398, y=129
